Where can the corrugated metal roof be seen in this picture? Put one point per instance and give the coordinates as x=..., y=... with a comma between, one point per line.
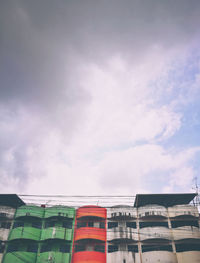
x=11, y=200
x=163, y=199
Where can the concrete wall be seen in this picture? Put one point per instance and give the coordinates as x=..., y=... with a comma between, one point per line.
x=4, y=233
x=185, y=232
x=122, y=232
x=159, y=256
x=155, y=232
x=148, y=231
x=123, y=257
x=152, y=210
x=8, y=211
x=121, y=212
x=189, y=257
x=183, y=210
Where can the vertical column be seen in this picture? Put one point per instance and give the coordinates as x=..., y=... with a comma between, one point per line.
x=172, y=236
x=139, y=242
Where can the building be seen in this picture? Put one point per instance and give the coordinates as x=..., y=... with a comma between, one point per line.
x=8, y=205
x=157, y=228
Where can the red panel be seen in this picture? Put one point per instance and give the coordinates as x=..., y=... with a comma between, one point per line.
x=91, y=211
x=87, y=235
x=90, y=233
x=89, y=256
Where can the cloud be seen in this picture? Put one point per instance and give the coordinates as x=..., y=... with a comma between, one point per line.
x=90, y=92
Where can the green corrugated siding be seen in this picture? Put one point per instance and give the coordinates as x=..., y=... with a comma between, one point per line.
x=25, y=233
x=67, y=212
x=27, y=214
x=56, y=257
x=57, y=232
x=34, y=211
x=20, y=257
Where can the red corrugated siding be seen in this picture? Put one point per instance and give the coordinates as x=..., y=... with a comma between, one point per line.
x=89, y=256
x=84, y=234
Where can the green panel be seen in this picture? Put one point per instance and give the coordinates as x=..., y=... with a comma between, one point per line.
x=68, y=212
x=25, y=233
x=57, y=232
x=35, y=211
x=55, y=257
x=20, y=257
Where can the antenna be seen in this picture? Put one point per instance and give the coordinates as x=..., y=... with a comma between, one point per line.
x=196, y=188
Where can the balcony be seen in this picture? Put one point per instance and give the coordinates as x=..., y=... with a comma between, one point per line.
x=57, y=233
x=152, y=211
x=20, y=257
x=188, y=256
x=91, y=211
x=121, y=212
x=89, y=256
x=122, y=233
x=25, y=233
x=186, y=232
x=90, y=233
x=119, y=256
x=183, y=210
x=34, y=211
x=155, y=233
x=7, y=212
x=159, y=256
x=59, y=211
x=53, y=256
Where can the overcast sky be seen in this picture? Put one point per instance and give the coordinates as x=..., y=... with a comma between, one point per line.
x=99, y=96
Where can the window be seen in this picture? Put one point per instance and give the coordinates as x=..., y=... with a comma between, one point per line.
x=102, y=225
x=18, y=224
x=5, y=225
x=37, y=225
x=79, y=248
x=3, y=214
x=156, y=247
x=112, y=248
x=131, y=224
x=184, y=223
x=50, y=224
x=153, y=224
x=99, y=248
x=12, y=247
x=46, y=247
x=2, y=247
x=67, y=224
x=65, y=248
x=112, y=224
x=187, y=247
x=90, y=224
x=32, y=248
x=97, y=224
x=132, y=248
x=81, y=224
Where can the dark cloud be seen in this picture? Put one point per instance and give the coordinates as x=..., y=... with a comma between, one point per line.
x=43, y=42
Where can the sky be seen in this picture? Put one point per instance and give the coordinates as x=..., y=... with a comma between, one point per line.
x=99, y=97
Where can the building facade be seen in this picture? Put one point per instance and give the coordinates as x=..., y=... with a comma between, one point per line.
x=157, y=228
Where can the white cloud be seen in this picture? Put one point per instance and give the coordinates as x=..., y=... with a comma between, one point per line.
x=84, y=108
x=100, y=154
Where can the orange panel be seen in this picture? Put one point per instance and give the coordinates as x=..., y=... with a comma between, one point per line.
x=89, y=256
x=91, y=233
x=91, y=211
